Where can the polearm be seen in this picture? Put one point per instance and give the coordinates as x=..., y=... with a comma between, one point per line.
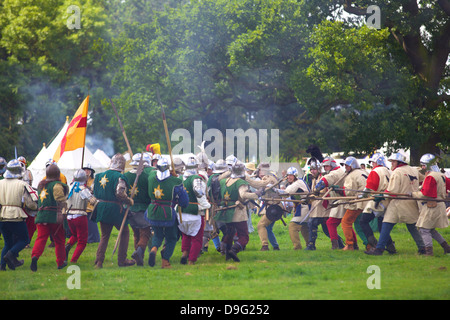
x=123, y=130
x=169, y=146
x=133, y=191
x=324, y=196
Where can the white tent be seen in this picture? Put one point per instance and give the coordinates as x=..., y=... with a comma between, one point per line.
x=69, y=162
x=101, y=156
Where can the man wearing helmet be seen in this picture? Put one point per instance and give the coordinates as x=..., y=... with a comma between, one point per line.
x=52, y=200
x=77, y=201
x=297, y=225
x=404, y=179
x=166, y=191
x=15, y=194
x=235, y=191
x=318, y=215
x=334, y=175
x=2, y=167
x=111, y=190
x=432, y=214
x=193, y=216
x=377, y=180
x=136, y=217
x=355, y=180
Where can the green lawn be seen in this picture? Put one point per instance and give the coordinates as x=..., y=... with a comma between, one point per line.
x=272, y=275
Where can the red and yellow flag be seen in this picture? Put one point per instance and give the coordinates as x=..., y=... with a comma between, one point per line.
x=76, y=131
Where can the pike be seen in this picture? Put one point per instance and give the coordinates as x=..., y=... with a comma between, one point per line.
x=309, y=198
x=133, y=191
x=169, y=146
x=374, y=192
x=123, y=130
x=324, y=196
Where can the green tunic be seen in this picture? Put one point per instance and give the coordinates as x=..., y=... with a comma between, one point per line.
x=229, y=196
x=109, y=209
x=141, y=198
x=47, y=206
x=192, y=208
x=161, y=193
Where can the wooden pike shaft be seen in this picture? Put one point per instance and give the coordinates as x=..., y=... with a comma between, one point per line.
x=123, y=130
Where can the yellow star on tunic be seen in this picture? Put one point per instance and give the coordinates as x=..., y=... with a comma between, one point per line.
x=226, y=196
x=43, y=195
x=103, y=181
x=136, y=191
x=158, y=192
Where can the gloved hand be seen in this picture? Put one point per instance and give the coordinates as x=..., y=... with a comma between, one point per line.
x=319, y=186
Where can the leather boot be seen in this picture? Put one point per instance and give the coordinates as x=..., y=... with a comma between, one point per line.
x=9, y=259
x=165, y=264
x=264, y=248
x=372, y=241
x=33, y=265
x=348, y=247
x=446, y=247
x=138, y=256
x=152, y=257
x=334, y=244
x=232, y=253
x=374, y=252
x=428, y=251
x=391, y=248
x=127, y=263
x=184, y=257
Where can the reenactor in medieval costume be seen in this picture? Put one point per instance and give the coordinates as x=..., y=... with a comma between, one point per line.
x=432, y=214
x=299, y=222
x=234, y=194
x=334, y=177
x=49, y=219
x=142, y=232
x=318, y=212
x=264, y=181
x=354, y=181
x=15, y=195
x=77, y=201
x=166, y=191
x=93, y=233
x=111, y=190
x=404, y=179
x=377, y=180
x=193, y=216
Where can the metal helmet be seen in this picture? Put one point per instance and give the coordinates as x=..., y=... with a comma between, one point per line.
x=117, y=162
x=89, y=167
x=430, y=161
x=352, y=162
x=191, y=166
x=293, y=171
x=178, y=165
x=313, y=163
x=329, y=161
x=2, y=165
x=163, y=166
x=156, y=156
x=52, y=172
x=231, y=160
x=220, y=166
x=14, y=170
x=238, y=170
x=49, y=162
x=80, y=176
x=378, y=158
x=137, y=157
x=211, y=165
x=397, y=157
x=23, y=161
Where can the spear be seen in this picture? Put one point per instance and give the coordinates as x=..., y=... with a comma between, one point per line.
x=169, y=146
x=123, y=130
x=133, y=191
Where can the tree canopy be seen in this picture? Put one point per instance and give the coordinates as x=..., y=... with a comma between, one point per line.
x=311, y=69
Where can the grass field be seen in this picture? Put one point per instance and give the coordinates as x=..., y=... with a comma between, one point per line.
x=272, y=275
